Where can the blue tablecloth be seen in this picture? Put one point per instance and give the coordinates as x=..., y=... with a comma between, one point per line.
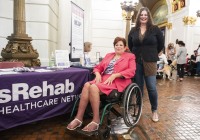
x=33, y=96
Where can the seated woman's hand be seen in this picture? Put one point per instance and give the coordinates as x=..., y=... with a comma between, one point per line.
x=110, y=79
x=98, y=78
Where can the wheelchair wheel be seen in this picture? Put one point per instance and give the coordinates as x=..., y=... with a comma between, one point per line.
x=132, y=105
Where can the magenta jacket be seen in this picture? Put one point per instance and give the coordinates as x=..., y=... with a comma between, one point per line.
x=125, y=65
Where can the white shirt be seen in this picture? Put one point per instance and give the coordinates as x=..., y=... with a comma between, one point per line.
x=87, y=60
x=162, y=59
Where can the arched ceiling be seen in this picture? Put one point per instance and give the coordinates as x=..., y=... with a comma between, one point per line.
x=158, y=9
x=149, y=3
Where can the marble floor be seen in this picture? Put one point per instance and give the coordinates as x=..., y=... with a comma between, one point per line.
x=179, y=113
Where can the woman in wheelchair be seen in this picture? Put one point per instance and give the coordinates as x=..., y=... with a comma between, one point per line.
x=114, y=72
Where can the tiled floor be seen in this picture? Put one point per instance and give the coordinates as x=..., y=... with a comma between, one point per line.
x=179, y=111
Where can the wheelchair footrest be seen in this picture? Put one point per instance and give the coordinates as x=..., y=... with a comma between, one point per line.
x=87, y=133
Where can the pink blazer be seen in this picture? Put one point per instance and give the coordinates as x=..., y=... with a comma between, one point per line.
x=125, y=65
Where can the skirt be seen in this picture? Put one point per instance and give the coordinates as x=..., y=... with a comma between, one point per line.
x=104, y=88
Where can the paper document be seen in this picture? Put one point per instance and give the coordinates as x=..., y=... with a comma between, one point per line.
x=62, y=58
x=8, y=72
x=43, y=70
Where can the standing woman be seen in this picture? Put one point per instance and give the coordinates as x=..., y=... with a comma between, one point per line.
x=146, y=40
x=181, y=59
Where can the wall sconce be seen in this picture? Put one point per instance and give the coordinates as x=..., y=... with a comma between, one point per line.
x=198, y=13
x=169, y=25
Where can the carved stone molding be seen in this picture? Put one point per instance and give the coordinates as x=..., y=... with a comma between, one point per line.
x=187, y=20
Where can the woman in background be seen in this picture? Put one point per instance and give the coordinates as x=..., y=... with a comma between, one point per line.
x=181, y=60
x=171, y=52
x=87, y=49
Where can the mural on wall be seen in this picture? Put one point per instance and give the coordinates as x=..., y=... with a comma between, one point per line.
x=160, y=14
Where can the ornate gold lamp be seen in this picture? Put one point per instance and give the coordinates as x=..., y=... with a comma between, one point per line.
x=128, y=9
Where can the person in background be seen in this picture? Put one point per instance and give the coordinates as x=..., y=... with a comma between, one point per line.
x=146, y=40
x=114, y=72
x=198, y=61
x=181, y=59
x=162, y=60
x=176, y=46
x=194, y=56
x=193, y=63
x=87, y=49
x=170, y=52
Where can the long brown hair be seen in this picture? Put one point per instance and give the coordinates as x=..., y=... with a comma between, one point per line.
x=149, y=22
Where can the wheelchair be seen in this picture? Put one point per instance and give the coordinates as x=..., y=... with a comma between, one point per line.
x=130, y=102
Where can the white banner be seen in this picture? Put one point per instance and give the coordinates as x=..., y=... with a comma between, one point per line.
x=77, y=34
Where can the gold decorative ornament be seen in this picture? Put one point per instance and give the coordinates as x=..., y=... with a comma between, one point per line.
x=169, y=25
x=187, y=20
x=124, y=14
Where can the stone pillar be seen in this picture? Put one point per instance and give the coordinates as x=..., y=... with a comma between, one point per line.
x=19, y=46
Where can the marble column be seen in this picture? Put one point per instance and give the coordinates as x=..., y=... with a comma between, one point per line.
x=19, y=47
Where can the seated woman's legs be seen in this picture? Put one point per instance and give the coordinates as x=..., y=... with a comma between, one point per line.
x=82, y=106
x=94, y=98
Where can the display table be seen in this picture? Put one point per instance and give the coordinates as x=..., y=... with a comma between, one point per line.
x=92, y=76
x=33, y=96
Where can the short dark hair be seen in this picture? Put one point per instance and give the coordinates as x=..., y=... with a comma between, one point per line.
x=181, y=43
x=117, y=39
